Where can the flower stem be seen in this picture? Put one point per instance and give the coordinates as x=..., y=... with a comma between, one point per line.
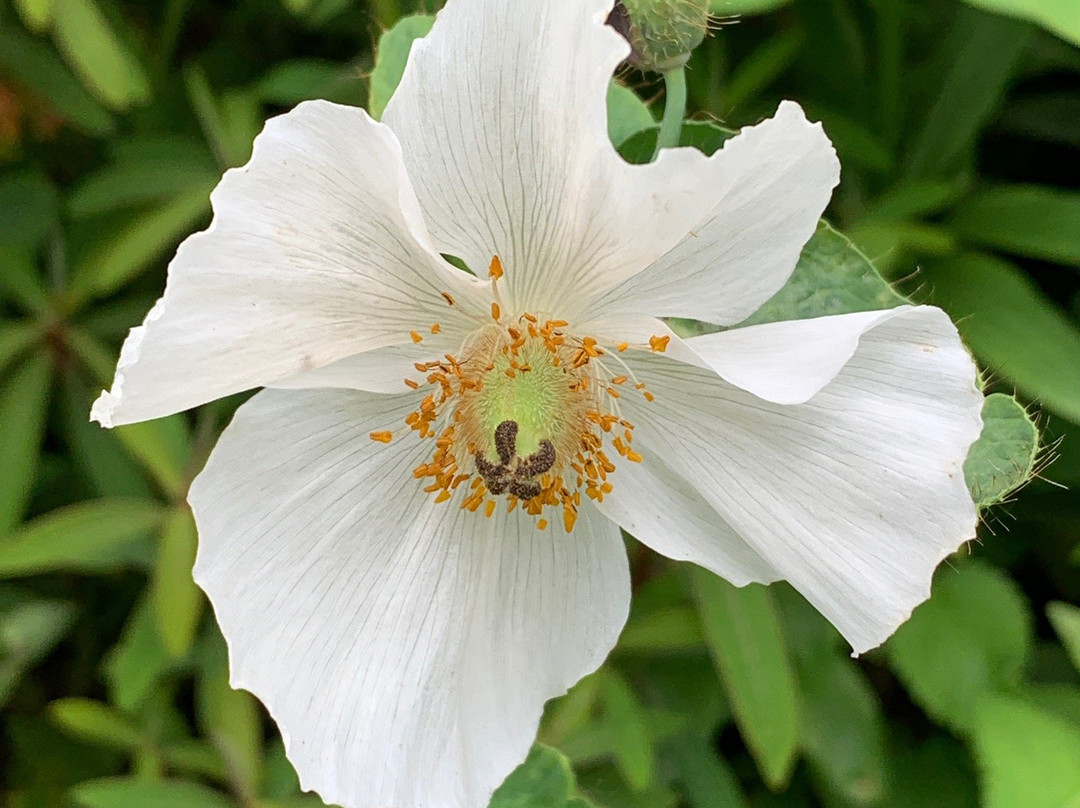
x=674, y=110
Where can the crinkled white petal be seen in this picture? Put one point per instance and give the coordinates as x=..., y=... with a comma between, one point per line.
x=383, y=370
x=855, y=495
x=405, y=648
x=789, y=362
x=317, y=251
x=655, y=503
x=502, y=118
x=769, y=186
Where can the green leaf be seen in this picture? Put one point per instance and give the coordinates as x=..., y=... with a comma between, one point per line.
x=30, y=208
x=128, y=792
x=743, y=635
x=390, y=59
x=544, y=780
x=832, y=277
x=1060, y=16
x=15, y=340
x=37, y=67
x=1028, y=757
x=842, y=729
x=744, y=8
x=117, y=259
x=97, y=54
x=1066, y=621
x=86, y=537
x=24, y=398
x=230, y=121
x=1003, y=458
x=21, y=281
x=136, y=663
x=1007, y=321
x=630, y=731
x=174, y=598
x=627, y=114
x=35, y=14
x=29, y=629
x=1030, y=220
x=96, y=723
x=229, y=718
x=96, y=452
x=970, y=639
x=150, y=170
x=662, y=631
x=704, y=776
x=977, y=59
x=706, y=137
x=289, y=83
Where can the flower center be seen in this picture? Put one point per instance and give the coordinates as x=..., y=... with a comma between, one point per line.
x=527, y=412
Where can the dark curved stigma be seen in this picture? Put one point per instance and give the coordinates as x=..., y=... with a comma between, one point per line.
x=513, y=474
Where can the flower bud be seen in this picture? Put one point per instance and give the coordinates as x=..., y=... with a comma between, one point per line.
x=662, y=33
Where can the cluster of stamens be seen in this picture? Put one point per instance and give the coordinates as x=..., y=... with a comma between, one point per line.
x=522, y=412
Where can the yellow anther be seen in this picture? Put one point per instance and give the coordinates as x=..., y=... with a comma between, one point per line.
x=659, y=344
x=382, y=437
x=495, y=271
x=417, y=338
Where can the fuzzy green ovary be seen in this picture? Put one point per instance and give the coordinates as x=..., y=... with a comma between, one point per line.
x=663, y=33
x=535, y=399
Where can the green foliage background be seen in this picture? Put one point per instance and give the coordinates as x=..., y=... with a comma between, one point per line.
x=959, y=132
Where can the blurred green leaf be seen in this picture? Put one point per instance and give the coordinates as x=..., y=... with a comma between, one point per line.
x=842, y=729
x=35, y=65
x=1003, y=458
x=743, y=634
x=832, y=277
x=1028, y=757
x=86, y=537
x=977, y=59
x=16, y=338
x=725, y=8
x=544, y=780
x=97, y=723
x=229, y=121
x=704, y=776
x=229, y=718
x=117, y=259
x=137, y=661
x=1060, y=16
x=30, y=207
x=35, y=14
x=706, y=137
x=296, y=80
x=1012, y=327
x=156, y=170
x=627, y=114
x=29, y=628
x=662, y=631
x=970, y=639
x=24, y=398
x=1031, y=220
x=757, y=71
x=128, y=792
x=630, y=732
x=1066, y=621
x=391, y=56
x=21, y=281
x=174, y=598
x=1049, y=116
x=97, y=453
x=97, y=54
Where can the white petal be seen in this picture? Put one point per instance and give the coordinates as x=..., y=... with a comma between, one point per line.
x=771, y=185
x=656, y=505
x=382, y=370
x=502, y=118
x=317, y=251
x=789, y=362
x=854, y=496
x=405, y=648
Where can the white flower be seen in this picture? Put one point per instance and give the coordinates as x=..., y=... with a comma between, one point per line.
x=403, y=575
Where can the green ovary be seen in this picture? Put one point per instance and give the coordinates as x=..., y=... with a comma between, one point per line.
x=537, y=398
